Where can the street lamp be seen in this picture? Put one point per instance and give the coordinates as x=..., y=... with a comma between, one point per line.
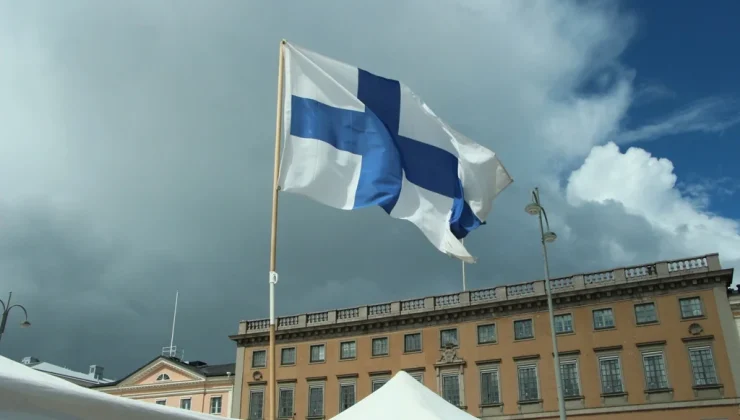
x=535, y=209
x=6, y=310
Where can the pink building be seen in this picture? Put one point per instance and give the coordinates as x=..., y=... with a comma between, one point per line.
x=192, y=385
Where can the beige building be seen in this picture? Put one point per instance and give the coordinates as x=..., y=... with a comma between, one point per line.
x=87, y=380
x=637, y=342
x=169, y=381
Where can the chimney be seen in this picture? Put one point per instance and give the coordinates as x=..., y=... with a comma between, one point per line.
x=96, y=372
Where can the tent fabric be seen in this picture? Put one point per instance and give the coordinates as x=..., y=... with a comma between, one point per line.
x=403, y=398
x=27, y=394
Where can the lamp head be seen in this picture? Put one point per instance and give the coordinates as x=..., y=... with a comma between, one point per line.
x=25, y=324
x=549, y=237
x=533, y=208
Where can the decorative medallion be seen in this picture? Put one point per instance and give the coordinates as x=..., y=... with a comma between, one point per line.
x=257, y=375
x=695, y=329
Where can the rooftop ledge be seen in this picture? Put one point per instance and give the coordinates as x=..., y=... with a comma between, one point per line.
x=577, y=282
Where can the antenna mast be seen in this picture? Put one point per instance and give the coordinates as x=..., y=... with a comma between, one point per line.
x=174, y=319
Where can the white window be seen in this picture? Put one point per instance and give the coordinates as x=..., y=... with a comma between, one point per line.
x=185, y=403
x=318, y=353
x=528, y=387
x=489, y=387
x=215, y=405
x=161, y=402
x=163, y=377
x=377, y=383
x=691, y=307
x=448, y=337
x=611, y=375
x=419, y=376
x=287, y=356
x=315, y=400
x=523, y=329
x=563, y=323
x=346, y=396
x=702, y=366
x=486, y=334
x=451, y=388
x=348, y=350
x=569, y=378
x=285, y=403
x=645, y=313
x=655, y=372
x=380, y=346
x=259, y=358
x=603, y=319
x=256, y=404
x=412, y=342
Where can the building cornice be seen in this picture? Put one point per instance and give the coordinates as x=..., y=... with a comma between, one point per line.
x=612, y=285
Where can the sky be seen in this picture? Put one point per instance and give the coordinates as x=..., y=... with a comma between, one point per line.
x=137, y=138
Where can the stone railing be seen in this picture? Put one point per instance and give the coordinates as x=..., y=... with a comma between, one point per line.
x=513, y=292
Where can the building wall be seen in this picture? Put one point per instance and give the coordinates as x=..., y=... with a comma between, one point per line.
x=671, y=335
x=199, y=396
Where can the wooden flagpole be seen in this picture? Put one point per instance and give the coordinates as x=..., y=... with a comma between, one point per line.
x=271, y=385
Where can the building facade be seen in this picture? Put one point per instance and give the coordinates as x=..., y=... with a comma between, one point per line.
x=734, y=297
x=636, y=342
x=169, y=381
x=87, y=380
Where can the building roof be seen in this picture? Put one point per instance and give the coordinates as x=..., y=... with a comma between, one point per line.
x=576, y=284
x=65, y=373
x=197, y=367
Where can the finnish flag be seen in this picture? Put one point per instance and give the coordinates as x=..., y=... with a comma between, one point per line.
x=353, y=139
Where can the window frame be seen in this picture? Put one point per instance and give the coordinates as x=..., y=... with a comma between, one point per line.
x=190, y=403
x=575, y=363
x=377, y=380
x=291, y=389
x=457, y=375
x=637, y=320
x=495, y=333
x=387, y=346
x=534, y=366
x=421, y=342
x=652, y=353
x=282, y=356
x=497, y=373
x=317, y=385
x=692, y=317
x=616, y=357
x=353, y=384
x=163, y=377
x=614, y=319
x=341, y=350
x=161, y=401
x=572, y=323
x=255, y=366
x=220, y=400
x=310, y=353
x=514, y=323
x=457, y=337
x=252, y=391
x=710, y=348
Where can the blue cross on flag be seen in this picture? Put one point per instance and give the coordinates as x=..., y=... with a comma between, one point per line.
x=353, y=139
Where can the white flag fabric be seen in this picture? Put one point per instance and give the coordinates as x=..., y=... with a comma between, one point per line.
x=28, y=394
x=353, y=139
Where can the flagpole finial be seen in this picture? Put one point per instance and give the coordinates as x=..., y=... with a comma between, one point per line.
x=283, y=41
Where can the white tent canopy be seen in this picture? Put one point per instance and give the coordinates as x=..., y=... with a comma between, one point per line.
x=403, y=398
x=27, y=394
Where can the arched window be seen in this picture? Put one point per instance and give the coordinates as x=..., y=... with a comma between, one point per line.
x=163, y=377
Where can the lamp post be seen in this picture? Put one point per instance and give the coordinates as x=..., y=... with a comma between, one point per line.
x=535, y=209
x=6, y=310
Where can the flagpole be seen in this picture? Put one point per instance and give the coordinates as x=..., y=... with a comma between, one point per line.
x=462, y=241
x=273, y=235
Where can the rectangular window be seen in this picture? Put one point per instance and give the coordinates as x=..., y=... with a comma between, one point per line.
x=259, y=358
x=315, y=401
x=287, y=356
x=377, y=383
x=418, y=376
x=645, y=313
x=655, y=373
x=523, y=329
x=346, y=396
x=489, y=389
x=161, y=402
x=569, y=377
x=448, y=337
x=691, y=307
x=611, y=375
x=256, y=402
x=185, y=403
x=563, y=323
x=603, y=319
x=318, y=353
x=451, y=389
x=486, y=334
x=528, y=390
x=380, y=346
x=702, y=366
x=215, y=405
x=285, y=403
x=412, y=343
x=348, y=350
